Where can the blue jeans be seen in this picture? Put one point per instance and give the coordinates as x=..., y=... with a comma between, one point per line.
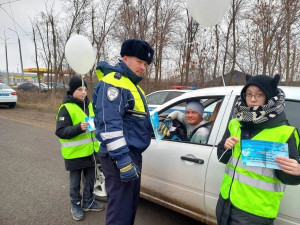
x=89, y=180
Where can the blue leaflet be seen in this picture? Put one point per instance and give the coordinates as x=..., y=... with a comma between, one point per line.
x=263, y=153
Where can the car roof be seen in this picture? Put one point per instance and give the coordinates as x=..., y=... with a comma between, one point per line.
x=291, y=93
x=171, y=90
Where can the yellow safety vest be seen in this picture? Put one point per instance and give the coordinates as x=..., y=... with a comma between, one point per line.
x=255, y=189
x=125, y=82
x=84, y=144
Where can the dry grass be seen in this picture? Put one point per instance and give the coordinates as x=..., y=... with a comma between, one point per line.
x=43, y=101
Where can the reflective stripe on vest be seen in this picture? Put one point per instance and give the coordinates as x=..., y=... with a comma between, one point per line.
x=254, y=189
x=124, y=82
x=84, y=144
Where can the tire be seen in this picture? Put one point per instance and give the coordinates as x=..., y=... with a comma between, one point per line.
x=99, y=187
x=12, y=105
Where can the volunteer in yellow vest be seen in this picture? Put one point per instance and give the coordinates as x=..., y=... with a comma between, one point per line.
x=252, y=194
x=78, y=146
x=123, y=127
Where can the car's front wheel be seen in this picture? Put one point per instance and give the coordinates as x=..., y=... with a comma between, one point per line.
x=99, y=187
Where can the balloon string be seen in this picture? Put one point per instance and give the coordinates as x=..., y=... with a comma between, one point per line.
x=82, y=92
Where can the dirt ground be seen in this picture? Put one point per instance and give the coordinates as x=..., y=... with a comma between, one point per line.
x=34, y=117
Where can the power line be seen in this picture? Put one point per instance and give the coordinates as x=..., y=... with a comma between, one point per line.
x=15, y=22
x=8, y=2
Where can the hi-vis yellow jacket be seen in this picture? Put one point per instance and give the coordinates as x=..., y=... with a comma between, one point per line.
x=254, y=189
x=84, y=144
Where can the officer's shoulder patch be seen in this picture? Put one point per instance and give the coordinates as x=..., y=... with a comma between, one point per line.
x=112, y=93
x=118, y=75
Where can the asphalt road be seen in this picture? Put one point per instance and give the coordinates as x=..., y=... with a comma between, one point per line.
x=34, y=184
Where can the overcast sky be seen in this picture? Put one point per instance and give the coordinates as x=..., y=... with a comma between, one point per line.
x=22, y=11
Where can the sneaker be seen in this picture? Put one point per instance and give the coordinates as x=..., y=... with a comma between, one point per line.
x=76, y=211
x=94, y=206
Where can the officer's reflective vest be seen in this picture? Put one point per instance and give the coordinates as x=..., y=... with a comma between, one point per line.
x=126, y=83
x=84, y=144
x=255, y=189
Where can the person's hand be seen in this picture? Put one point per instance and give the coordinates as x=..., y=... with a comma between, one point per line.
x=84, y=125
x=129, y=172
x=287, y=165
x=164, y=127
x=230, y=142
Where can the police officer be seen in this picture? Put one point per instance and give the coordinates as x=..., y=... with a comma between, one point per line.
x=123, y=127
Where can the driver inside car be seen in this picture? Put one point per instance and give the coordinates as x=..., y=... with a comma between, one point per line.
x=195, y=126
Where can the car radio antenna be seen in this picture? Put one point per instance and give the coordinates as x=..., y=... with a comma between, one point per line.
x=223, y=80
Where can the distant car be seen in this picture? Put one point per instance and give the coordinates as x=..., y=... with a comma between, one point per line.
x=61, y=86
x=158, y=98
x=28, y=87
x=44, y=86
x=8, y=96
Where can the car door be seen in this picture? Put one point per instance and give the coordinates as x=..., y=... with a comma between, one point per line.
x=289, y=206
x=174, y=173
x=215, y=169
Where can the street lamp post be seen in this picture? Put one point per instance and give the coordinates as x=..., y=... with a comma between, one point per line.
x=20, y=51
x=5, y=78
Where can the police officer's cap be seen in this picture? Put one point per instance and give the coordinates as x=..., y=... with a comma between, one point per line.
x=138, y=48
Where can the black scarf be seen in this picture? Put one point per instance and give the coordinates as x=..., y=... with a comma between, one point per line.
x=260, y=114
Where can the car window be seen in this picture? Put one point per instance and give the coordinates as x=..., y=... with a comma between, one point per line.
x=180, y=127
x=157, y=98
x=4, y=86
x=172, y=95
x=292, y=108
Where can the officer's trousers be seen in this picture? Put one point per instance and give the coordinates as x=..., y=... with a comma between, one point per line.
x=122, y=197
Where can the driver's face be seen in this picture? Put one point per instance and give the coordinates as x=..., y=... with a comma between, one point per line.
x=192, y=117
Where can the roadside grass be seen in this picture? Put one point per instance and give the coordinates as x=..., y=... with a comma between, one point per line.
x=42, y=101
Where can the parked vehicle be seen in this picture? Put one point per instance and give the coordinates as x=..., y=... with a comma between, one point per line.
x=158, y=98
x=44, y=87
x=8, y=96
x=186, y=177
x=28, y=87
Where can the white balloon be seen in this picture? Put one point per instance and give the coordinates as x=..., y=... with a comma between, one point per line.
x=80, y=54
x=207, y=12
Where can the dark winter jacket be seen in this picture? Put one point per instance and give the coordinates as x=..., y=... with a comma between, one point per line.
x=114, y=123
x=66, y=130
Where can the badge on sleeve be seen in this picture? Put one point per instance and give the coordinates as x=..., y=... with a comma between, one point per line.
x=112, y=93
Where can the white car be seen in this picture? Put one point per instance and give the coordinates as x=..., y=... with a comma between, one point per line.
x=158, y=98
x=8, y=96
x=186, y=177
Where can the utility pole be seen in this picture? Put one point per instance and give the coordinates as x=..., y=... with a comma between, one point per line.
x=5, y=78
x=20, y=51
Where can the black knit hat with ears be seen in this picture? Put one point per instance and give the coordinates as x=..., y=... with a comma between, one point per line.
x=138, y=48
x=266, y=84
x=75, y=82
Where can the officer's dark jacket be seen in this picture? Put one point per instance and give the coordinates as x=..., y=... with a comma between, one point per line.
x=121, y=134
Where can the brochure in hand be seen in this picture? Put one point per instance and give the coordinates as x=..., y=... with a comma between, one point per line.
x=91, y=126
x=263, y=153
